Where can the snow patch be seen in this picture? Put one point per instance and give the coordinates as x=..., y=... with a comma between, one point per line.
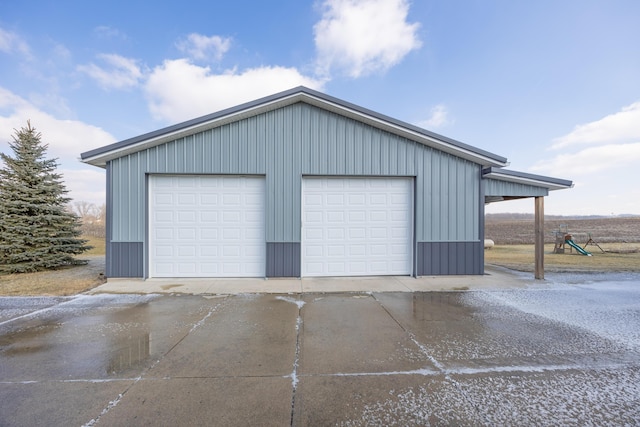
x=297, y=302
x=112, y=404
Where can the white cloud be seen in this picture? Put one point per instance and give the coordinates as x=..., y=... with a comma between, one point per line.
x=66, y=140
x=87, y=184
x=601, y=158
x=201, y=47
x=60, y=52
x=623, y=126
x=119, y=73
x=439, y=118
x=361, y=37
x=179, y=90
x=106, y=32
x=591, y=160
x=12, y=43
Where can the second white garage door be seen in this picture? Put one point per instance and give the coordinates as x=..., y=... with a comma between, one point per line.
x=206, y=226
x=357, y=226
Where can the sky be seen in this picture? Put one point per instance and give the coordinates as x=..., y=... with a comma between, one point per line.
x=553, y=86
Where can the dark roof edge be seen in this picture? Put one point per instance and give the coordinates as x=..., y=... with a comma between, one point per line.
x=186, y=124
x=526, y=178
x=400, y=123
x=281, y=95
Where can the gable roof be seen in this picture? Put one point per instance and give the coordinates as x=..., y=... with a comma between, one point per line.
x=100, y=156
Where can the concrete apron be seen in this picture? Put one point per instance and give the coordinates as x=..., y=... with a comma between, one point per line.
x=349, y=359
x=494, y=278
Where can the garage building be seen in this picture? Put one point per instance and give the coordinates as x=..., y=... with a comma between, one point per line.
x=300, y=184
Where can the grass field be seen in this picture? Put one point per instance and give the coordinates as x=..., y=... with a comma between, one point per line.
x=98, y=245
x=64, y=281
x=618, y=257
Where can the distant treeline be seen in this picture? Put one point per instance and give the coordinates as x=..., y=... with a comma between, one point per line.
x=529, y=216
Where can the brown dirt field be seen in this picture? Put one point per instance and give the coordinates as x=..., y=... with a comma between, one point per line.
x=603, y=230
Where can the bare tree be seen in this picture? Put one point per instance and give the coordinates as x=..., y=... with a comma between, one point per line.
x=83, y=209
x=93, y=217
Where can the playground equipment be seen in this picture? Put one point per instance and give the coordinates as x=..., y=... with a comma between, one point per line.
x=592, y=242
x=564, y=238
x=574, y=245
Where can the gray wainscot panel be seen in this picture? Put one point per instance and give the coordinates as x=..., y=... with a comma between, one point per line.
x=450, y=258
x=126, y=260
x=283, y=259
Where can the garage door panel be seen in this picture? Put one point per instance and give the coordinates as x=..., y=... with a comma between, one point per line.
x=335, y=216
x=313, y=251
x=163, y=199
x=163, y=216
x=378, y=216
x=253, y=217
x=186, y=268
x=357, y=215
x=188, y=234
x=253, y=233
x=253, y=200
x=163, y=233
x=208, y=251
x=357, y=226
x=209, y=269
x=186, y=251
x=209, y=199
x=163, y=250
x=185, y=199
x=206, y=226
x=208, y=216
x=335, y=234
x=186, y=216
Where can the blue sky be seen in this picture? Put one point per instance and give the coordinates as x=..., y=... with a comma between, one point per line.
x=554, y=86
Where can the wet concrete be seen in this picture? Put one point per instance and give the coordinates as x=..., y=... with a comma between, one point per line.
x=561, y=354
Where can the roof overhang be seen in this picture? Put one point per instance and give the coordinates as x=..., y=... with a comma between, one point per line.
x=526, y=178
x=100, y=156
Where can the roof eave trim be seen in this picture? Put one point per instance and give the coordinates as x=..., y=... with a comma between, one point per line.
x=104, y=154
x=406, y=130
x=100, y=156
x=526, y=178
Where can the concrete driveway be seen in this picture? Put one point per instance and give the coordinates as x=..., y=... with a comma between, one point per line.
x=558, y=354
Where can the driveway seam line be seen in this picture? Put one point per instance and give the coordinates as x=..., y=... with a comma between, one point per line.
x=435, y=362
x=113, y=403
x=296, y=361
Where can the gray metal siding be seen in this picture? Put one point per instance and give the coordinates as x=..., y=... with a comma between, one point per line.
x=300, y=139
x=283, y=259
x=448, y=198
x=495, y=187
x=127, y=260
x=444, y=258
x=109, y=222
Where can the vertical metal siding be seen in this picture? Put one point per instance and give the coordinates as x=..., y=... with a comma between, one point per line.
x=283, y=259
x=299, y=140
x=288, y=143
x=502, y=188
x=443, y=258
x=127, y=260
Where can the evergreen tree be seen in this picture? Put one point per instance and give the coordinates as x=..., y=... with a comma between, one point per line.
x=36, y=231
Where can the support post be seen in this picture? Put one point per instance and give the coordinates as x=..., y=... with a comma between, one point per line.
x=539, y=238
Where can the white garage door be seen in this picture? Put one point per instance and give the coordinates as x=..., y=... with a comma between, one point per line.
x=357, y=226
x=206, y=226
